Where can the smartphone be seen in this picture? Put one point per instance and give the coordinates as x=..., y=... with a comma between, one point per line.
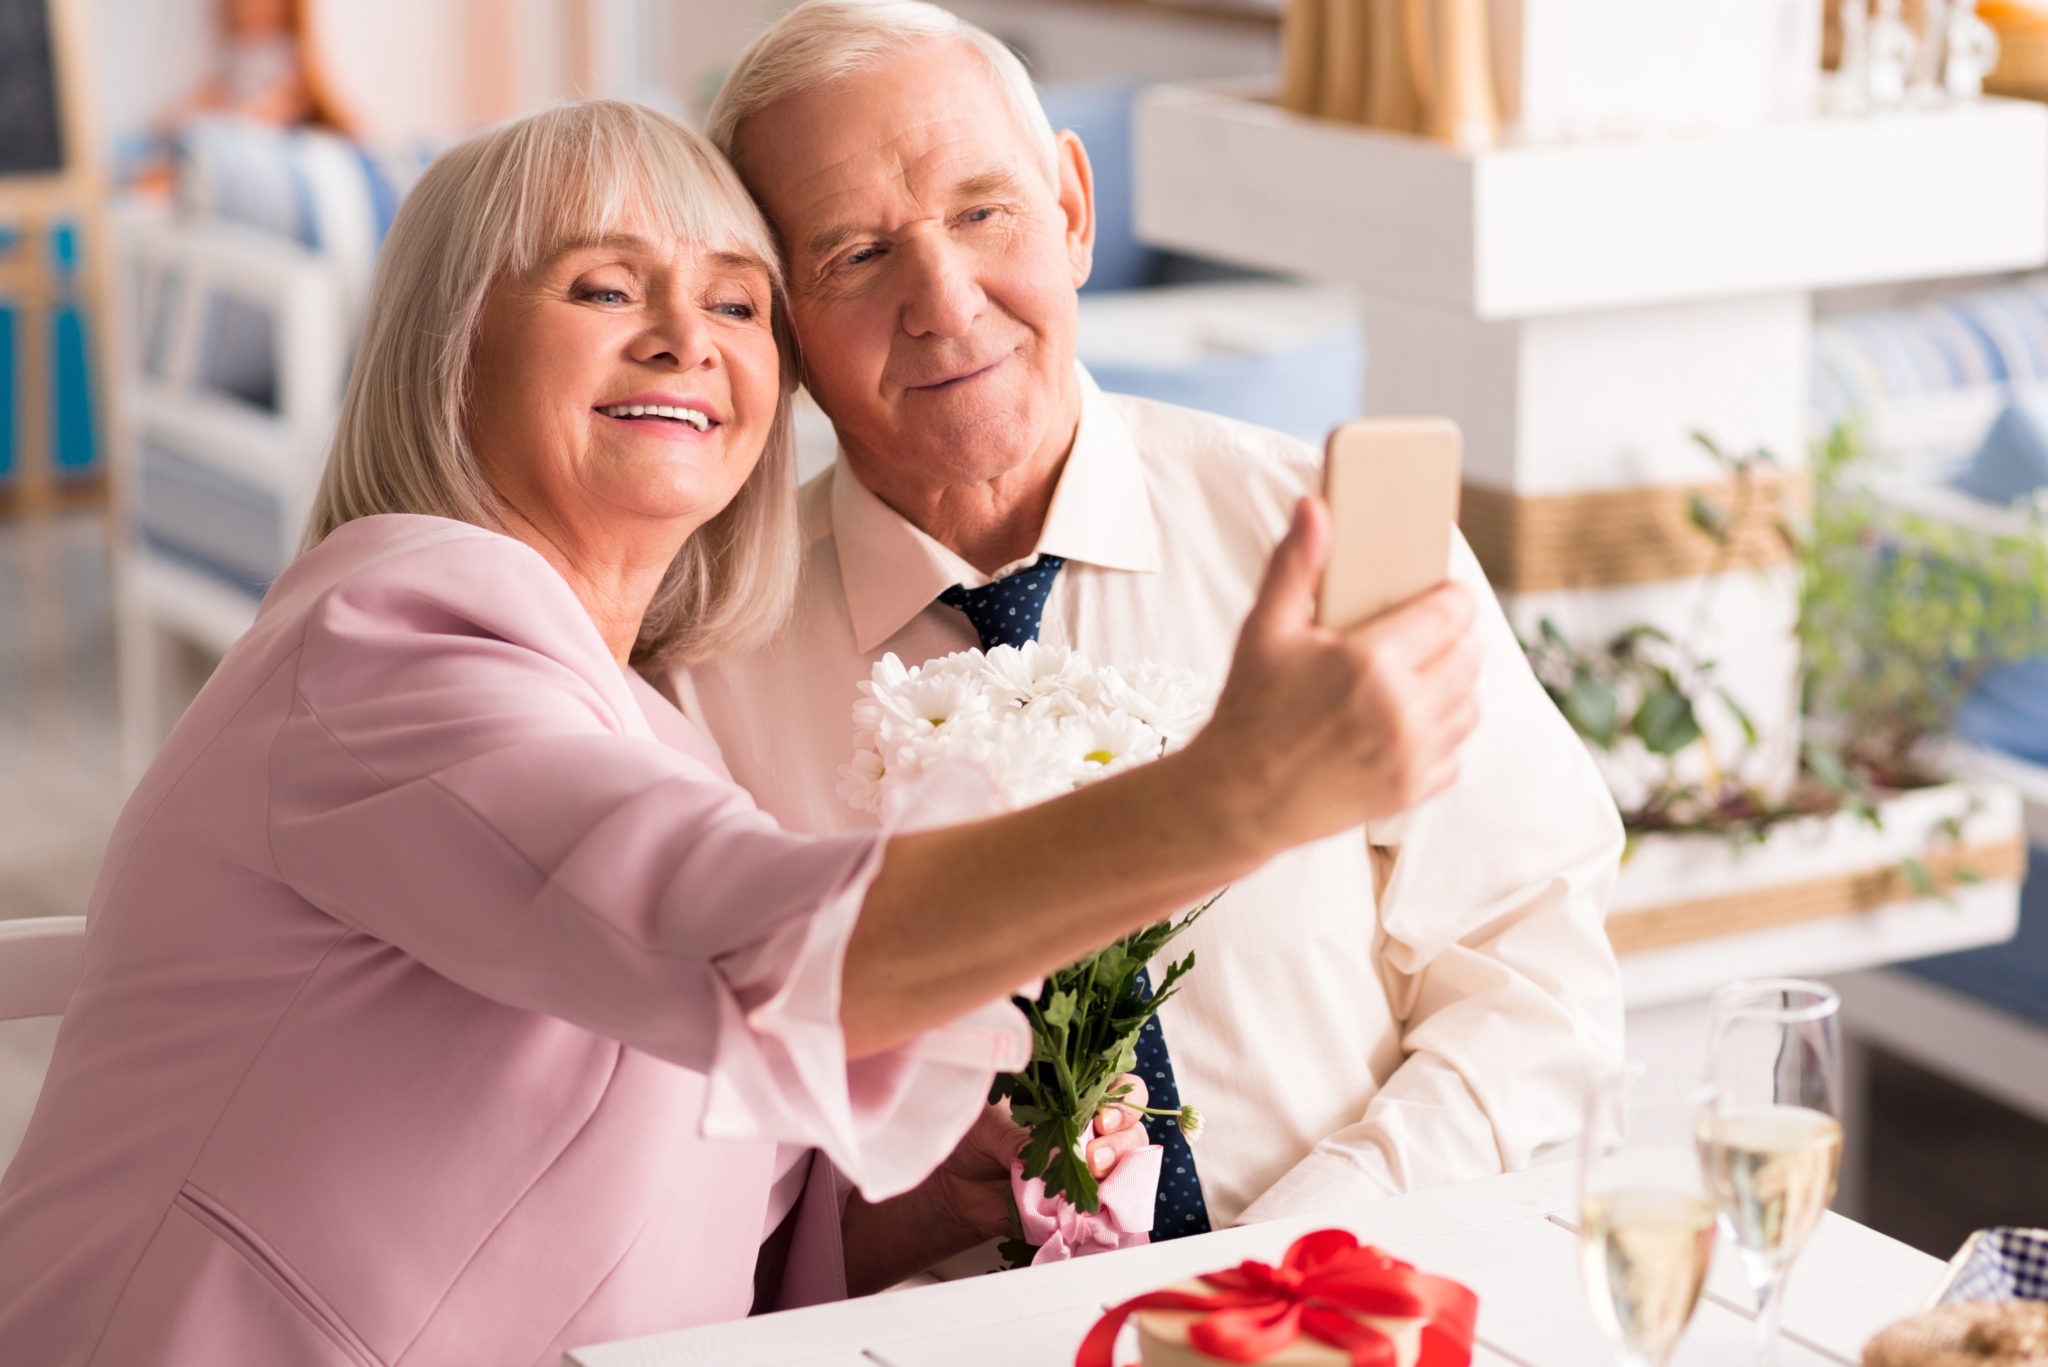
x=1392, y=487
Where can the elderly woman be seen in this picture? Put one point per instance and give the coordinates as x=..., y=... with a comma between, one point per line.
x=445, y=1001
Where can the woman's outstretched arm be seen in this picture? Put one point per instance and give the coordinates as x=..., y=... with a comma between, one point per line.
x=1316, y=732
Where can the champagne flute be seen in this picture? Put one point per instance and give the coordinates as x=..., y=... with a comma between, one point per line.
x=1646, y=1220
x=1769, y=1136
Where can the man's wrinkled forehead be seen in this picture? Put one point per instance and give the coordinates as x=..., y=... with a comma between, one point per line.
x=886, y=138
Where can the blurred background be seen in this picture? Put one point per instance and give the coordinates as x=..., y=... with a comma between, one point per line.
x=1738, y=302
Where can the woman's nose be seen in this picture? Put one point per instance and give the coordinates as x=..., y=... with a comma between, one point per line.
x=676, y=335
x=942, y=298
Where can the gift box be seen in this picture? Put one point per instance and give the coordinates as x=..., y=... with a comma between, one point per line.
x=1331, y=1302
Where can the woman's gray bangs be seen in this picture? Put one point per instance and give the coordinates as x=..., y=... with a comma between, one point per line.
x=599, y=164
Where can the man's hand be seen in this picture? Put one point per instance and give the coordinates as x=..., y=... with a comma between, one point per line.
x=973, y=1184
x=967, y=1201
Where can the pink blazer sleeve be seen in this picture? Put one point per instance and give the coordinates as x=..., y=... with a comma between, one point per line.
x=465, y=774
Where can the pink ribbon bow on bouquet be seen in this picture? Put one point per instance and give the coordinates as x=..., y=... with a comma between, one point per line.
x=1061, y=1230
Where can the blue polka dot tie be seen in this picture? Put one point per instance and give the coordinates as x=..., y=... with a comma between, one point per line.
x=1006, y=613
x=1178, y=1209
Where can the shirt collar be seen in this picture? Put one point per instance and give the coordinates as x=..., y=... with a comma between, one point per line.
x=1101, y=514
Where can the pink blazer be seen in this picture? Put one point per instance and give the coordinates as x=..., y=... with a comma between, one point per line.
x=446, y=1002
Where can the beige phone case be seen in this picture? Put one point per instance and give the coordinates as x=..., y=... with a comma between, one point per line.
x=1392, y=486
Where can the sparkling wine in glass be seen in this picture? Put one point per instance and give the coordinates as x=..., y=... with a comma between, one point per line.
x=1646, y=1220
x=1770, y=1137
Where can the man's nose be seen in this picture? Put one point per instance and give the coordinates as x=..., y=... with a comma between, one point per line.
x=942, y=298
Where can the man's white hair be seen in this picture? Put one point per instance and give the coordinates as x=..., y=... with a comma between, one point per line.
x=824, y=40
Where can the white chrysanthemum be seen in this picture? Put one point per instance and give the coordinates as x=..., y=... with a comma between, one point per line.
x=1037, y=719
x=1055, y=705
x=908, y=743
x=1035, y=670
x=891, y=673
x=961, y=664
x=931, y=699
x=887, y=678
x=1109, y=741
x=1028, y=761
x=860, y=783
x=1174, y=702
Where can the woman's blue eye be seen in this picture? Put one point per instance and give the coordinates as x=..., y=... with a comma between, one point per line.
x=980, y=215
x=864, y=254
x=606, y=296
x=740, y=311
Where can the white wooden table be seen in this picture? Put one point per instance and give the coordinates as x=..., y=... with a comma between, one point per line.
x=1508, y=1238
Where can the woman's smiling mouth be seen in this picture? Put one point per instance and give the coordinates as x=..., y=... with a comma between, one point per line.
x=695, y=417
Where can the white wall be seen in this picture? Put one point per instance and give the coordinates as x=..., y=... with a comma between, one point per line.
x=149, y=54
x=1065, y=40
x=146, y=55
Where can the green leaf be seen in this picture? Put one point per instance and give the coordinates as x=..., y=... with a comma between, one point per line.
x=1592, y=709
x=1108, y=968
x=1826, y=767
x=1067, y=1175
x=1014, y=1251
x=1665, y=722
x=1707, y=518
x=1641, y=631
x=1059, y=1012
x=1037, y=1155
x=1918, y=878
x=1740, y=714
x=1968, y=877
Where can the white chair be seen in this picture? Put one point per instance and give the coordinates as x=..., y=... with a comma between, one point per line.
x=216, y=489
x=40, y=960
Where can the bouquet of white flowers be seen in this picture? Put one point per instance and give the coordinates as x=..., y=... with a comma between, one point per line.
x=1040, y=720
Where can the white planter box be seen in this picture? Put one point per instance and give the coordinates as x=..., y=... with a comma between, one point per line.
x=1523, y=231
x=1822, y=895
x=2029, y=780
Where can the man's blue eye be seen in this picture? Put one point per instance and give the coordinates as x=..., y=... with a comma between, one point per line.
x=980, y=215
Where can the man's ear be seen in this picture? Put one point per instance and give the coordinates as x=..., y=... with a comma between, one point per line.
x=1077, y=203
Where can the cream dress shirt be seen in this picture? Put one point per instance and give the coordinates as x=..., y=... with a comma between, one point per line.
x=1401, y=1006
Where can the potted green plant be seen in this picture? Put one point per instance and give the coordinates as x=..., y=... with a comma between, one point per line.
x=1899, y=613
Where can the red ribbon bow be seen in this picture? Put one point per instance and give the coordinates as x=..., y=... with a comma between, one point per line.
x=1326, y=1279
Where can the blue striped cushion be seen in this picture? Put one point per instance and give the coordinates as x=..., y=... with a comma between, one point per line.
x=1862, y=362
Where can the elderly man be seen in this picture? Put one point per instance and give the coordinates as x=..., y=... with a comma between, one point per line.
x=1406, y=1005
